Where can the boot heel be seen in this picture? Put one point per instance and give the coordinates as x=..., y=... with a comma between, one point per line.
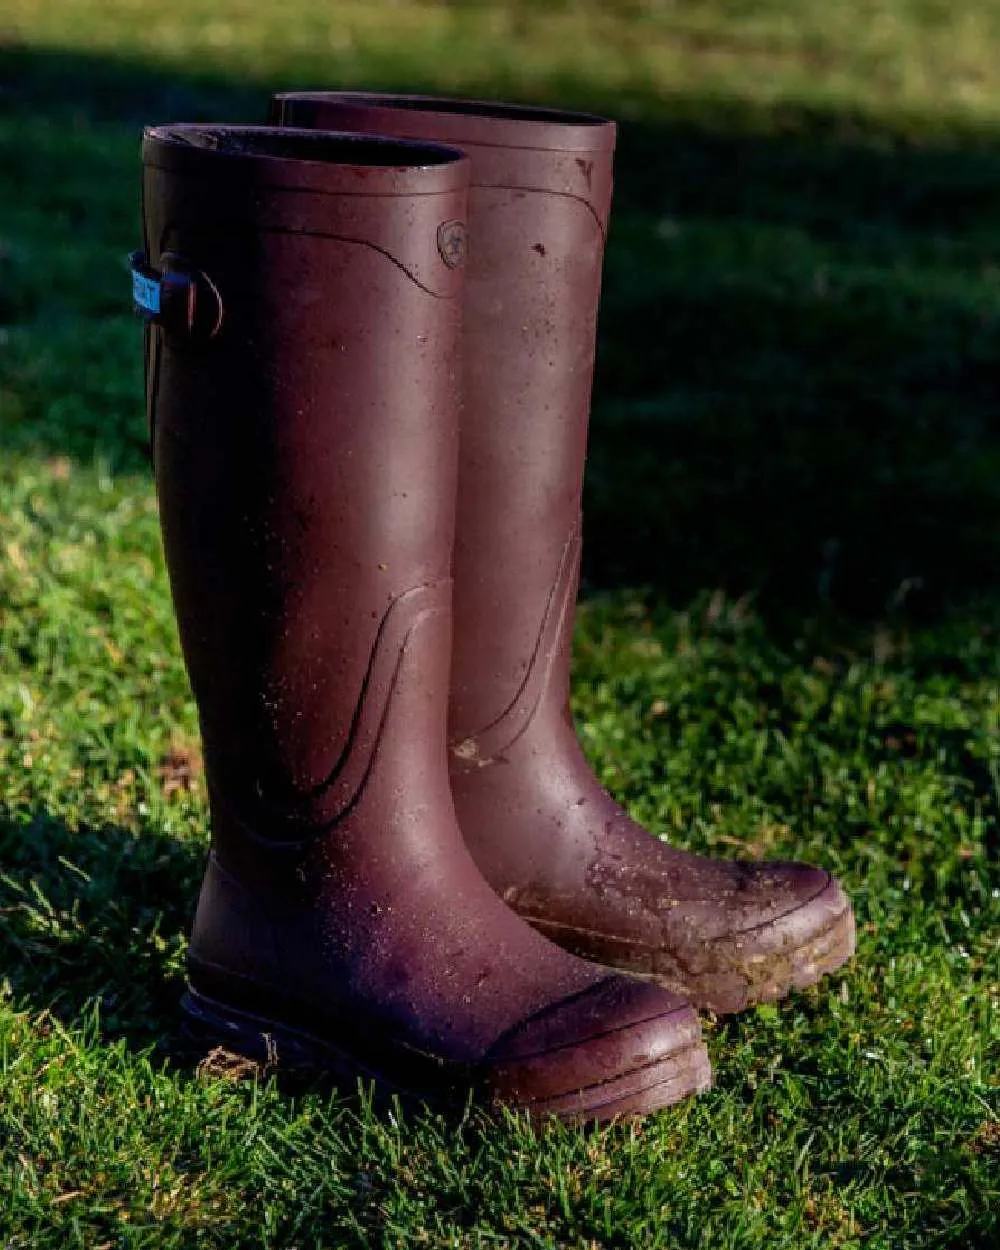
x=210, y=1030
x=227, y=1042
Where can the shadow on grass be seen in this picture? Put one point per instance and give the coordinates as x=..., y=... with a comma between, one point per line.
x=97, y=914
x=797, y=388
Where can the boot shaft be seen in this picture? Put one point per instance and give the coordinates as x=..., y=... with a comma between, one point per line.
x=304, y=433
x=539, y=202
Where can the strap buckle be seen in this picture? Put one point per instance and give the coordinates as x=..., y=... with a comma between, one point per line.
x=177, y=296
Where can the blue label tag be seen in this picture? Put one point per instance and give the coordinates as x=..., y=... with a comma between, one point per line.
x=146, y=293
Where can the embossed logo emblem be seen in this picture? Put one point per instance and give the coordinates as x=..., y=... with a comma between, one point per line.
x=451, y=243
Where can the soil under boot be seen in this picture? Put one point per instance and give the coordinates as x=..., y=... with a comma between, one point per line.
x=546, y=835
x=302, y=293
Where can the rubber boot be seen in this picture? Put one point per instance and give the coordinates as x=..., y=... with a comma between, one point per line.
x=303, y=298
x=549, y=839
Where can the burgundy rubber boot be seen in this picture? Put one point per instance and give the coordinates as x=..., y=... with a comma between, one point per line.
x=303, y=298
x=548, y=838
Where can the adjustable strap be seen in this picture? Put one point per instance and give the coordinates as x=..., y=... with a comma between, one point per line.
x=146, y=299
x=176, y=296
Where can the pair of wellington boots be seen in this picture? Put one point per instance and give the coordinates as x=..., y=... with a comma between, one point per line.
x=371, y=517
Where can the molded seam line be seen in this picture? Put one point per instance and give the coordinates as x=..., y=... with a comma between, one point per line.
x=294, y=843
x=548, y=630
x=565, y=195
x=341, y=238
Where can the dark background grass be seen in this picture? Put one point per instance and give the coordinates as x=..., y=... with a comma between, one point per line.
x=797, y=380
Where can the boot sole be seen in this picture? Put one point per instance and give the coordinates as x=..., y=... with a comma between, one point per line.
x=767, y=978
x=251, y=1045
x=733, y=983
x=637, y=1093
x=231, y=1040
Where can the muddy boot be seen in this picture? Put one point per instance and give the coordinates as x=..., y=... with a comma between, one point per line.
x=303, y=298
x=548, y=838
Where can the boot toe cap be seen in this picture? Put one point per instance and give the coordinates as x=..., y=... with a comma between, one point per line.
x=794, y=925
x=619, y=1048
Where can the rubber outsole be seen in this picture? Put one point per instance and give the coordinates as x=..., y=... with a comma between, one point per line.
x=268, y=1047
x=733, y=981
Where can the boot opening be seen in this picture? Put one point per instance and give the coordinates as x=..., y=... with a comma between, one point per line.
x=280, y=143
x=469, y=108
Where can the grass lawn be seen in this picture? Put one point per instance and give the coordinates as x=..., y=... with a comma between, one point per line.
x=789, y=645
